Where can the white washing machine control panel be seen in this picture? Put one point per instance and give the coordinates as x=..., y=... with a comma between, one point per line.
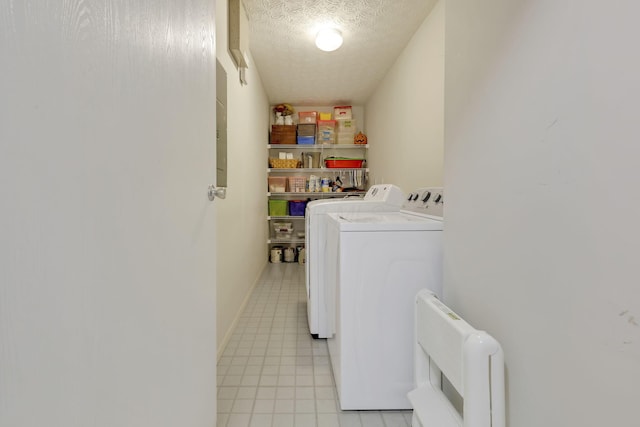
x=387, y=193
x=426, y=201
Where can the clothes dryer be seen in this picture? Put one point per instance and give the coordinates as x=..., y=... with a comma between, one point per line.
x=379, y=198
x=380, y=262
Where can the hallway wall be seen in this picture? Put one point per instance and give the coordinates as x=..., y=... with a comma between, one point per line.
x=241, y=217
x=541, y=169
x=405, y=115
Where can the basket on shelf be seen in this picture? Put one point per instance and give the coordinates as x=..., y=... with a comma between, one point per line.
x=284, y=163
x=297, y=184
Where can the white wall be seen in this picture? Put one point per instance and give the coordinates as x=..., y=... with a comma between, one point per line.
x=242, y=216
x=107, y=282
x=405, y=115
x=542, y=236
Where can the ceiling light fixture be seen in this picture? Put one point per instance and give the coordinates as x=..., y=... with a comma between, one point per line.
x=328, y=39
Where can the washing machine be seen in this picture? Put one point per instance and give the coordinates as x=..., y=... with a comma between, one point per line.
x=376, y=264
x=379, y=198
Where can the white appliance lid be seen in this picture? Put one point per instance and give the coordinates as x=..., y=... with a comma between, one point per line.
x=391, y=221
x=356, y=205
x=380, y=197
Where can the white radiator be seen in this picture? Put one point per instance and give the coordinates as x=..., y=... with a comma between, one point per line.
x=471, y=360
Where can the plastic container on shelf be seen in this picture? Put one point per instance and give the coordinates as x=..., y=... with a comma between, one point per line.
x=282, y=230
x=297, y=184
x=283, y=236
x=342, y=112
x=277, y=184
x=346, y=126
x=306, y=129
x=327, y=138
x=307, y=116
x=306, y=140
x=345, y=138
x=297, y=207
x=278, y=207
x=283, y=227
x=326, y=125
x=343, y=162
x=326, y=131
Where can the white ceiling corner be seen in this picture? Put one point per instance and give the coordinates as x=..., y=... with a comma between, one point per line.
x=292, y=69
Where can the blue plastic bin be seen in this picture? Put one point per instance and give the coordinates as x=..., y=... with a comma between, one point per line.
x=306, y=140
x=297, y=207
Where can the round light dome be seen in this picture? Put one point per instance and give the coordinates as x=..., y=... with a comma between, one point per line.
x=329, y=39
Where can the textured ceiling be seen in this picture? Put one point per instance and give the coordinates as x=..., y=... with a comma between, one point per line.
x=293, y=70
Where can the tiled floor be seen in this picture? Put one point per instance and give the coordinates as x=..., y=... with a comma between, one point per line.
x=273, y=374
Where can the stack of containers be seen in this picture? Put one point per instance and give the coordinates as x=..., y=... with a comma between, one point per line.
x=346, y=124
x=326, y=131
x=306, y=127
x=306, y=133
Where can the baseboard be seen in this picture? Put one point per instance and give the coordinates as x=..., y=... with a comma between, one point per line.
x=232, y=328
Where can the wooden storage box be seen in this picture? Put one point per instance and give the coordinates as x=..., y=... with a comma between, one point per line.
x=283, y=134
